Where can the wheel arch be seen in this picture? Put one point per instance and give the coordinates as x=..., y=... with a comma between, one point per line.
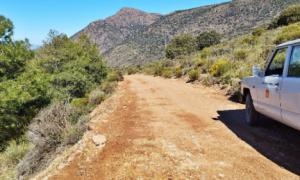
x=246, y=91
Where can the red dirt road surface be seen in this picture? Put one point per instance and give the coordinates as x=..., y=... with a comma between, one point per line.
x=166, y=129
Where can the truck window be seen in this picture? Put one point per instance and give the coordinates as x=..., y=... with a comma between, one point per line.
x=294, y=67
x=277, y=63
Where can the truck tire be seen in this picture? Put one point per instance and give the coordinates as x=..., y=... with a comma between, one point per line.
x=252, y=116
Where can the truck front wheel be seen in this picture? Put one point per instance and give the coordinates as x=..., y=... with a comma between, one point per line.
x=252, y=115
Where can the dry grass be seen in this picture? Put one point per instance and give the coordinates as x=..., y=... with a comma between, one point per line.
x=11, y=157
x=55, y=126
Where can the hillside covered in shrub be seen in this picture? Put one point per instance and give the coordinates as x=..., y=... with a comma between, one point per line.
x=134, y=37
x=226, y=63
x=47, y=93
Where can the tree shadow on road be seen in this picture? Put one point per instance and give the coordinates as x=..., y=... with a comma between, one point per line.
x=277, y=142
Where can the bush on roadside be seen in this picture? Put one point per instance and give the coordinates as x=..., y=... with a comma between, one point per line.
x=234, y=89
x=207, y=80
x=12, y=155
x=96, y=97
x=288, y=33
x=156, y=68
x=178, y=72
x=220, y=67
x=108, y=87
x=61, y=70
x=115, y=75
x=49, y=125
x=81, y=105
x=55, y=125
x=74, y=133
x=199, y=62
x=132, y=70
x=167, y=73
x=193, y=75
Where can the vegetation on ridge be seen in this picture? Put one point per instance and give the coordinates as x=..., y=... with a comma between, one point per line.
x=226, y=63
x=47, y=92
x=145, y=42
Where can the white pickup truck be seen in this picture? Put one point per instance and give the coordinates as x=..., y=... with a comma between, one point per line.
x=275, y=91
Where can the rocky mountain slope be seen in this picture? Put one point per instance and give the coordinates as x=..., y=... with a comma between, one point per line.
x=135, y=37
x=112, y=31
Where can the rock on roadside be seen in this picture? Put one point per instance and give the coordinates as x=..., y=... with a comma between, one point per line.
x=99, y=140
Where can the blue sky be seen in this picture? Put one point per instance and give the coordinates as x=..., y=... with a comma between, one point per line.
x=34, y=18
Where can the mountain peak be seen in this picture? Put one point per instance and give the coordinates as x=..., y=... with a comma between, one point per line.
x=133, y=36
x=129, y=16
x=128, y=10
x=113, y=30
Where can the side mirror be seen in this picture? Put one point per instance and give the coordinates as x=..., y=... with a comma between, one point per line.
x=256, y=71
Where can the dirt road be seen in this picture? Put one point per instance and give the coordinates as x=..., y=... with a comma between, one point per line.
x=167, y=129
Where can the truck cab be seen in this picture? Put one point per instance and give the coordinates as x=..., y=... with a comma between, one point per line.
x=275, y=91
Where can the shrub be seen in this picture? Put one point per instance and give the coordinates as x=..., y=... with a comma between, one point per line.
x=181, y=45
x=108, y=87
x=9, y=159
x=207, y=80
x=57, y=124
x=207, y=39
x=288, y=16
x=193, y=75
x=258, y=31
x=48, y=126
x=81, y=105
x=71, y=84
x=249, y=40
x=75, y=131
x=234, y=90
x=167, y=73
x=75, y=67
x=96, y=97
x=20, y=100
x=115, y=75
x=132, y=70
x=62, y=70
x=178, y=72
x=79, y=102
x=240, y=54
x=288, y=33
x=266, y=52
x=220, y=67
x=14, y=152
x=206, y=53
x=158, y=68
x=225, y=78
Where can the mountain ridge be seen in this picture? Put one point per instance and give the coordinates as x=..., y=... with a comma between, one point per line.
x=111, y=31
x=143, y=36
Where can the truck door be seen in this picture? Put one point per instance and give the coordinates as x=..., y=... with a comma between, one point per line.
x=290, y=92
x=268, y=91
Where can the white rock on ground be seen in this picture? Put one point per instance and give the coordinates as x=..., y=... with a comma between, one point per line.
x=99, y=140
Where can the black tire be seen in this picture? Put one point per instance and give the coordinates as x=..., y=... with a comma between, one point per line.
x=252, y=116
